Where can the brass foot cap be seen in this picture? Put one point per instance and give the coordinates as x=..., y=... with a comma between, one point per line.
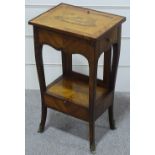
x=41, y=129
x=93, y=149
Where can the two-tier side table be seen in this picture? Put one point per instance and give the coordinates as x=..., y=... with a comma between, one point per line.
x=71, y=29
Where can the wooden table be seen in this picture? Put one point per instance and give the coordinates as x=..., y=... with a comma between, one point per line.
x=71, y=29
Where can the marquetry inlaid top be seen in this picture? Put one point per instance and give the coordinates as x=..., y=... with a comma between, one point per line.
x=81, y=21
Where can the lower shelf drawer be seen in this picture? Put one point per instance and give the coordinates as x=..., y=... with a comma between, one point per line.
x=66, y=107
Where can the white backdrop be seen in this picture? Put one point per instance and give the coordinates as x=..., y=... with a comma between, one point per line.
x=52, y=58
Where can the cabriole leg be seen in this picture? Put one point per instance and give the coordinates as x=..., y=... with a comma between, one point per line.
x=43, y=119
x=115, y=61
x=40, y=70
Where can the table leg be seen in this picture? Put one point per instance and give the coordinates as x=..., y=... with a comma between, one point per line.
x=66, y=62
x=92, y=96
x=40, y=70
x=115, y=61
x=111, y=117
x=107, y=67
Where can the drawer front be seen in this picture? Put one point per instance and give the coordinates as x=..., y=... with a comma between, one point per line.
x=66, y=107
x=51, y=38
x=66, y=43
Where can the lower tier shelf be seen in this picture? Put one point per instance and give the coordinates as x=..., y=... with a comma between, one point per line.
x=70, y=95
x=74, y=89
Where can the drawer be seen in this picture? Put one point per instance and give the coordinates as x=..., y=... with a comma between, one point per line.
x=66, y=107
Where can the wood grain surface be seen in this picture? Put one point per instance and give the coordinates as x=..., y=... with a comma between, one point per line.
x=74, y=90
x=85, y=22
